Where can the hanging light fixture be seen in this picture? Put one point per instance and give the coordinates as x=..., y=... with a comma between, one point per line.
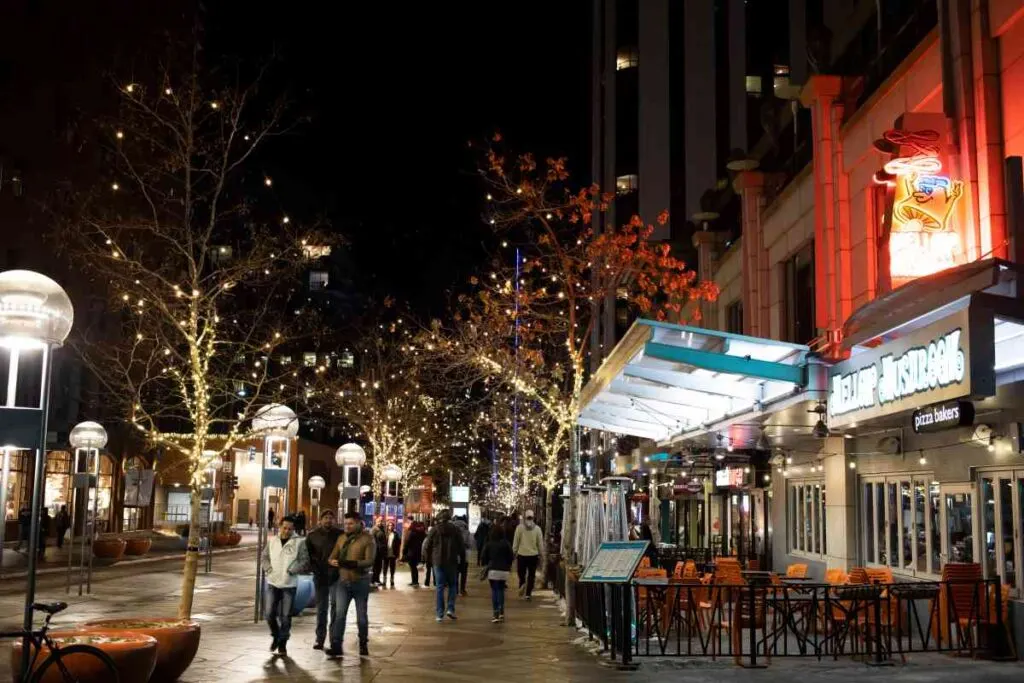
x=763, y=444
x=820, y=430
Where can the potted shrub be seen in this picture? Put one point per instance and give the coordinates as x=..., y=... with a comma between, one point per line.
x=234, y=538
x=137, y=545
x=177, y=642
x=108, y=548
x=134, y=655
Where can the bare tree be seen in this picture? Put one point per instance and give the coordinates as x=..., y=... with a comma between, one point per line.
x=202, y=273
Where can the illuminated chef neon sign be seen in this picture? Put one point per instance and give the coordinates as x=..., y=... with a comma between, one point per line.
x=919, y=369
x=921, y=203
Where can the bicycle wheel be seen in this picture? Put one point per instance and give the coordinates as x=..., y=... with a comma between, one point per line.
x=102, y=667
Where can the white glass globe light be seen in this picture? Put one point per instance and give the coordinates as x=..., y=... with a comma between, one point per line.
x=88, y=435
x=392, y=472
x=341, y=487
x=214, y=461
x=35, y=311
x=351, y=454
x=276, y=421
x=364, y=488
x=317, y=483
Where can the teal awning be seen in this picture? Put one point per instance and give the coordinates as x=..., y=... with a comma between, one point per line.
x=663, y=380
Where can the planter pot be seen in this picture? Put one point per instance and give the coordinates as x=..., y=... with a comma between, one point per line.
x=134, y=655
x=177, y=642
x=218, y=540
x=137, y=546
x=108, y=548
x=234, y=538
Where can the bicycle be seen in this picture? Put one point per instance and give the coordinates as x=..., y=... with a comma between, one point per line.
x=103, y=666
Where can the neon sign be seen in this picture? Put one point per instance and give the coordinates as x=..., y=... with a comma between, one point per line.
x=921, y=238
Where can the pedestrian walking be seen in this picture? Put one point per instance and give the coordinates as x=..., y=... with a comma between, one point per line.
x=380, y=539
x=319, y=545
x=480, y=538
x=300, y=522
x=394, y=547
x=24, y=526
x=446, y=551
x=528, y=546
x=467, y=544
x=497, y=557
x=44, y=531
x=270, y=520
x=511, y=524
x=284, y=556
x=429, y=568
x=413, y=552
x=353, y=555
x=63, y=524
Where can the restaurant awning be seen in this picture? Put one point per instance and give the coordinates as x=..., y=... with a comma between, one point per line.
x=664, y=380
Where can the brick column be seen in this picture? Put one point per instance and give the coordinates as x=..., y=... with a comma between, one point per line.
x=705, y=241
x=749, y=185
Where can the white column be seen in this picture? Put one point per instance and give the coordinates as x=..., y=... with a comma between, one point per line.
x=840, y=506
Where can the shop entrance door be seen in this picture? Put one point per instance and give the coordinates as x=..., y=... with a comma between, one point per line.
x=958, y=542
x=1000, y=501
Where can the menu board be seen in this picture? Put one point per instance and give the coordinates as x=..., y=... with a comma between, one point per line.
x=615, y=561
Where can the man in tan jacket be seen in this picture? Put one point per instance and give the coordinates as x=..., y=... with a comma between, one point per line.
x=353, y=556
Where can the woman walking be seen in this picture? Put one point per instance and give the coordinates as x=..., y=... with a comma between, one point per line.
x=497, y=557
x=394, y=545
x=413, y=552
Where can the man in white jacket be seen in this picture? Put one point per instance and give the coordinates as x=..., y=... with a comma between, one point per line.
x=528, y=547
x=284, y=556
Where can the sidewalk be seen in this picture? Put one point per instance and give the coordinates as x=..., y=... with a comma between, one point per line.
x=407, y=645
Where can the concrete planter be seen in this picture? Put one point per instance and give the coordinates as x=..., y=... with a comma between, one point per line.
x=177, y=642
x=134, y=655
x=137, y=546
x=108, y=548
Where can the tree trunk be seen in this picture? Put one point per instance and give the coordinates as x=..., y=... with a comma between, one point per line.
x=548, y=522
x=569, y=530
x=188, y=577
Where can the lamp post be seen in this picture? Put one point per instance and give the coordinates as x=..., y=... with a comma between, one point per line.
x=350, y=458
x=278, y=425
x=87, y=438
x=316, y=487
x=35, y=317
x=392, y=475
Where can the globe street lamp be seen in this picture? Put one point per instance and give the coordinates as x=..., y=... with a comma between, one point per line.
x=391, y=473
x=35, y=317
x=316, y=486
x=350, y=458
x=278, y=425
x=87, y=438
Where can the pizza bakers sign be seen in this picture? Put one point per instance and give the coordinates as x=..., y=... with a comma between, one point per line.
x=930, y=365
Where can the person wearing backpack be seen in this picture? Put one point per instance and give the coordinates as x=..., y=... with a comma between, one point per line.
x=446, y=553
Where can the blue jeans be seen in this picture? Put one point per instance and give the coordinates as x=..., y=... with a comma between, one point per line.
x=446, y=577
x=344, y=592
x=278, y=612
x=324, y=607
x=498, y=597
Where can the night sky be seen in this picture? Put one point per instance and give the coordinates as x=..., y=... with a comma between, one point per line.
x=394, y=92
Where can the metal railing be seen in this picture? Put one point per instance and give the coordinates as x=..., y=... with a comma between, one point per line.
x=752, y=624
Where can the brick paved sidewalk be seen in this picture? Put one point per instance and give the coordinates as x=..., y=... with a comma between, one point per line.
x=406, y=644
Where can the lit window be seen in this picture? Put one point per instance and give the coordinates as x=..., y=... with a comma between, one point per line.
x=309, y=359
x=753, y=85
x=317, y=279
x=285, y=360
x=221, y=254
x=348, y=359
x=805, y=508
x=313, y=251
x=626, y=58
x=900, y=524
x=625, y=184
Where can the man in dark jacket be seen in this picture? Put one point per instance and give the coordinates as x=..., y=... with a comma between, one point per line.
x=483, y=532
x=320, y=542
x=446, y=551
x=380, y=540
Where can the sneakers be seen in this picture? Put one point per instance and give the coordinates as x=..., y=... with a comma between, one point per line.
x=333, y=652
x=451, y=615
x=439, y=619
x=496, y=619
x=501, y=617
x=282, y=649
x=273, y=645
x=318, y=646
x=528, y=598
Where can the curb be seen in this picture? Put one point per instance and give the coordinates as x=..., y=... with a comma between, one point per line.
x=120, y=563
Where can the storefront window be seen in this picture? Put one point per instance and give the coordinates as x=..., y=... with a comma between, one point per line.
x=57, y=486
x=806, y=508
x=988, y=516
x=1000, y=506
x=959, y=540
x=935, y=542
x=898, y=523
